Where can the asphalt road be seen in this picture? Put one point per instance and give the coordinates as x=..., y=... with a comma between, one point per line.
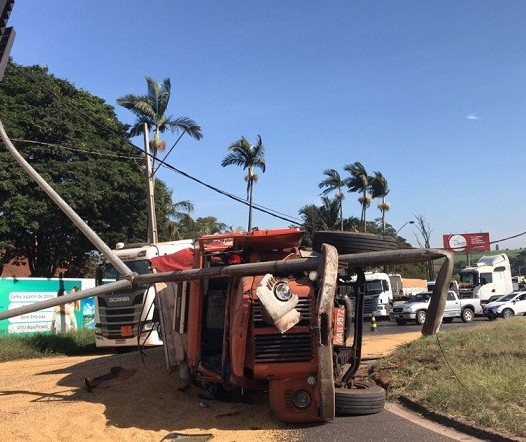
x=392, y=424
x=384, y=326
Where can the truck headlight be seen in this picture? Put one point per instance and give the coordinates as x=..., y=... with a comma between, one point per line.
x=147, y=326
x=301, y=399
x=282, y=291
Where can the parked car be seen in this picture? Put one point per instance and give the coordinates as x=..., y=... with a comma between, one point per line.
x=506, y=306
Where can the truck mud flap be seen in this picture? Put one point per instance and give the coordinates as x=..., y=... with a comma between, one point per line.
x=328, y=273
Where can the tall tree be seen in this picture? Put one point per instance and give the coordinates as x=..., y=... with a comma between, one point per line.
x=380, y=189
x=250, y=157
x=74, y=140
x=332, y=182
x=324, y=217
x=359, y=181
x=151, y=109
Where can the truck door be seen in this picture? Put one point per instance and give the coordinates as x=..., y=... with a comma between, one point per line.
x=452, y=308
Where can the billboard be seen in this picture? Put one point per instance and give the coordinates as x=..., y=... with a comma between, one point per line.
x=17, y=292
x=467, y=242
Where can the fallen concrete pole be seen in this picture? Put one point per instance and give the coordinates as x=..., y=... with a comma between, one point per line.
x=284, y=267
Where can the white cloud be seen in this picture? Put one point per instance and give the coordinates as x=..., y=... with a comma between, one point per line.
x=473, y=117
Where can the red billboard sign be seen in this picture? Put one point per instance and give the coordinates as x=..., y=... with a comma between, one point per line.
x=466, y=242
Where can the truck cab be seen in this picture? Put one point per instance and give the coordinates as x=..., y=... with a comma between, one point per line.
x=491, y=276
x=257, y=331
x=378, y=293
x=128, y=318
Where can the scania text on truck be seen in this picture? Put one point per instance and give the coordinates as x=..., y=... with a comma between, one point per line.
x=491, y=276
x=128, y=318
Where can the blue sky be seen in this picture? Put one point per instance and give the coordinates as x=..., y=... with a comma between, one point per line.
x=431, y=94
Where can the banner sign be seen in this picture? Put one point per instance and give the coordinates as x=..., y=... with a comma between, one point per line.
x=18, y=292
x=467, y=242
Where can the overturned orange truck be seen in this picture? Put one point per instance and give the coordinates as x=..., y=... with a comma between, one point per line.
x=268, y=318
x=254, y=313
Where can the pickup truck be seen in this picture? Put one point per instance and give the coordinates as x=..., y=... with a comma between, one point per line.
x=416, y=309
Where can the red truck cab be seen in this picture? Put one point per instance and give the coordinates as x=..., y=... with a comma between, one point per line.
x=257, y=331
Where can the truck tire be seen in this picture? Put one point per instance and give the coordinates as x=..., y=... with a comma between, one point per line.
x=401, y=321
x=421, y=317
x=507, y=313
x=352, y=242
x=364, y=398
x=467, y=315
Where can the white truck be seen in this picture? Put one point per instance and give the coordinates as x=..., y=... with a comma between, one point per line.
x=129, y=318
x=491, y=276
x=416, y=309
x=378, y=296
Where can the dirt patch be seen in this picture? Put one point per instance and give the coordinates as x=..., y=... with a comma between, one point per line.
x=47, y=399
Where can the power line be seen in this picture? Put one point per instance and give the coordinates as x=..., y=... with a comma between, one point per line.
x=173, y=169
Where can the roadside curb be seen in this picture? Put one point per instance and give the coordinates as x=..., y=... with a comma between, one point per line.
x=463, y=427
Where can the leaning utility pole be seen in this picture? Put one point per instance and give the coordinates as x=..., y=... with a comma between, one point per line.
x=152, y=220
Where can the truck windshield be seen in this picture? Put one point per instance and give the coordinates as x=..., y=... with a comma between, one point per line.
x=373, y=287
x=141, y=267
x=421, y=297
x=470, y=279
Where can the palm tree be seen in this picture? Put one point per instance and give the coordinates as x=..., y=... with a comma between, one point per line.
x=359, y=181
x=334, y=182
x=151, y=109
x=380, y=188
x=183, y=221
x=250, y=157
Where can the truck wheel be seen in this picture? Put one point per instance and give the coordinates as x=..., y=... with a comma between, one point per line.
x=467, y=315
x=447, y=320
x=352, y=242
x=401, y=321
x=363, y=398
x=507, y=313
x=421, y=317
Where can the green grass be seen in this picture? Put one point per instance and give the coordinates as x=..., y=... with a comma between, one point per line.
x=476, y=375
x=39, y=345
